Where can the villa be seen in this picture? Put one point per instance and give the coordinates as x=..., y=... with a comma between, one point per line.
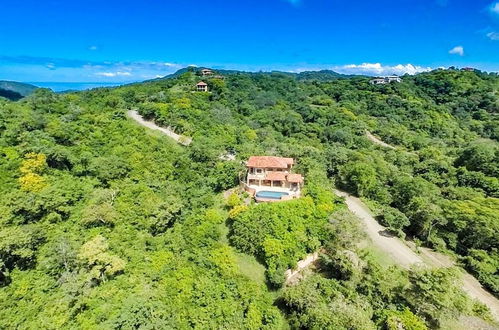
x=270, y=179
x=385, y=80
x=207, y=72
x=202, y=86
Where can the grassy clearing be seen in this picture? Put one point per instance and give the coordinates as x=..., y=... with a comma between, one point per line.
x=248, y=265
x=379, y=256
x=251, y=268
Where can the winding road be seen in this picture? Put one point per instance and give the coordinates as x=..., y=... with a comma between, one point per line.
x=151, y=125
x=400, y=252
x=378, y=141
x=404, y=256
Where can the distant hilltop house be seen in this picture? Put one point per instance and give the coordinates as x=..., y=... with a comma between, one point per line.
x=385, y=80
x=210, y=74
x=207, y=72
x=468, y=69
x=269, y=179
x=202, y=86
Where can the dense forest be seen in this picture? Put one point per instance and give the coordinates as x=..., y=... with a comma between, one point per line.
x=104, y=224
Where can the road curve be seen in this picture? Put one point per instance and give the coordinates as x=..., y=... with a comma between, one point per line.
x=405, y=257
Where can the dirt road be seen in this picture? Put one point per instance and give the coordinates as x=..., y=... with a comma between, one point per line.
x=378, y=141
x=149, y=124
x=404, y=256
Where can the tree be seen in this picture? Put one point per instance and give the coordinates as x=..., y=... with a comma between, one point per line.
x=32, y=166
x=359, y=177
x=405, y=319
x=233, y=200
x=482, y=157
x=100, y=264
x=436, y=293
x=394, y=219
x=18, y=246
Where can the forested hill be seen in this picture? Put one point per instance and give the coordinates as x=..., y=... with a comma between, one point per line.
x=14, y=90
x=322, y=75
x=104, y=224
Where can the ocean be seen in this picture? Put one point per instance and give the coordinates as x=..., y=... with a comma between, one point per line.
x=73, y=86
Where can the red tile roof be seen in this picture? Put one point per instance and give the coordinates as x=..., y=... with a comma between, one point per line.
x=202, y=83
x=269, y=162
x=295, y=178
x=275, y=176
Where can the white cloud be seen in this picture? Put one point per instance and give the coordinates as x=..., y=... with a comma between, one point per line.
x=93, y=48
x=494, y=8
x=458, y=50
x=493, y=35
x=113, y=74
x=373, y=69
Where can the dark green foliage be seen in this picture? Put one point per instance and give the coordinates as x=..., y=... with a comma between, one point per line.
x=486, y=266
x=18, y=246
x=394, y=219
x=10, y=95
x=481, y=157
x=15, y=91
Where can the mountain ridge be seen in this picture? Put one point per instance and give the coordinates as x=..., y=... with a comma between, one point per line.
x=14, y=90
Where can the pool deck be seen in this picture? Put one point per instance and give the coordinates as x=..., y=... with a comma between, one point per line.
x=256, y=189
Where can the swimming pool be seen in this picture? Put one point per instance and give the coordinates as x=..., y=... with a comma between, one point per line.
x=271, y=194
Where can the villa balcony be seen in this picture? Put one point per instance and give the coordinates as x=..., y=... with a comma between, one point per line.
x=255, y=176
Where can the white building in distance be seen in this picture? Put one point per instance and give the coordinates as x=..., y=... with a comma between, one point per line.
x=385, y=80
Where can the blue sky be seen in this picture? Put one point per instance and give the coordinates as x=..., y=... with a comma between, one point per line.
x=122, y=41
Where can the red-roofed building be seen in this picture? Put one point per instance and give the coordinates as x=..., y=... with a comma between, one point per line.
x=273, y=174
x=270, y=162
x=202, y=86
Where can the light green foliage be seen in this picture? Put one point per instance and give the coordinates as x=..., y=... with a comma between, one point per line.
x=101, y=264
x=404, y=319
x=101, y=210
x=318, y=303
x=233, y=200
x=280, y=233
x=436, y=293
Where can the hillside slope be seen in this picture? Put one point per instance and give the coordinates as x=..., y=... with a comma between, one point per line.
x=15, y=90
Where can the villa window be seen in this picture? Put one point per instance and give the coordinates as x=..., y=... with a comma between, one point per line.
x=259, y=171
